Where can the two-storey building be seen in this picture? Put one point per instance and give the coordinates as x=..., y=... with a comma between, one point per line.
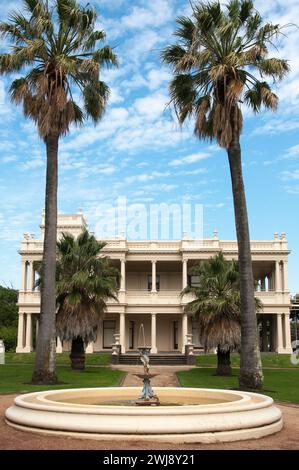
x=153, y=274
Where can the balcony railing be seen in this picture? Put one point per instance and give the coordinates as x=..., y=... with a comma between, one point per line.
x=163, y=297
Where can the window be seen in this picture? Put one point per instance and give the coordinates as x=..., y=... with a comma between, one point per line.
x=150, y=282
x=117, y=278
x=193, y=281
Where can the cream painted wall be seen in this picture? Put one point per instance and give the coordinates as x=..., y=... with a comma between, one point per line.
x=168, y=280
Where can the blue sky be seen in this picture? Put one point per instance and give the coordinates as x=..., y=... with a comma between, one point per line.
x=139, y=152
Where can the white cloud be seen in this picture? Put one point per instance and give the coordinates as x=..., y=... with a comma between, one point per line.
x=292, y=189
x=292, y=152
x=195, y=157
x=157, y=77
x=115, y=97
x=142, y=133
x=157, y=13
x=290, y=175
x=276, y=126
x=8, y=159
x=158, y=188
x=114, y=119
x=2, y=93
x=139, y=46
x=145, y=177
x=33, y=164
x=151, y=106
x=197, y=171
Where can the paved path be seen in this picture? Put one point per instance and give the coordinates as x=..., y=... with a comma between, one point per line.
x=164, y=375
x=11, y=438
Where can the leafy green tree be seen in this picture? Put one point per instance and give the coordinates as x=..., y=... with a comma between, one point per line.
x=8, y=306
x=58, y=48
x=220, y=60
x=8, y=317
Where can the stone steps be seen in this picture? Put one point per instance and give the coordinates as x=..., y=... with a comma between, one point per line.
x=155, y=359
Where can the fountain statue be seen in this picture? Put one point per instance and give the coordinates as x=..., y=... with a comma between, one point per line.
x=147, y=397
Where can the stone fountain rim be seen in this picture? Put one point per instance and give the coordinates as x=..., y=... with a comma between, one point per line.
x=243, y=404
x=251, y=417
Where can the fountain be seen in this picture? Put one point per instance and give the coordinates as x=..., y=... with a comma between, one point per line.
x=147, y=397
x=185, y=415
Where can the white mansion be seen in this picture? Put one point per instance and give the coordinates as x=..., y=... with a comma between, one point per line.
x=153, y=274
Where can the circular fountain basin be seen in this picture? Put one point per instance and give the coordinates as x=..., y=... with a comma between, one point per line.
x=185, y=414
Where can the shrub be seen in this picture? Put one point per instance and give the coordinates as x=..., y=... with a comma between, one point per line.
x=9, y=335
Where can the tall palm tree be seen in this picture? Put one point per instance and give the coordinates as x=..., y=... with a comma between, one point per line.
x=59, y=51
x=216, y=62
x=85, y=280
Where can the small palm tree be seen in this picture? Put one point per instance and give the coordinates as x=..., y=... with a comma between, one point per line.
x=219, y=56
x=85, y=280
x=217, y=307
x=58, y=49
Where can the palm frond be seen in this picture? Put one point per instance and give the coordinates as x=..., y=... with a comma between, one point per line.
x=59, y=57
x=215, y=53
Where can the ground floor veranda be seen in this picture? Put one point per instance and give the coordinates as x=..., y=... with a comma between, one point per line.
x=162, y=332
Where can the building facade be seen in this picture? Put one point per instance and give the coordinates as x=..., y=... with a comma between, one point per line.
x=153, y=273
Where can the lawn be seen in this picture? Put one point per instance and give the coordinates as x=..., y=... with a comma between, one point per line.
x=96, y=359
x=280, y=384
x=268, y=359
x=15, y=379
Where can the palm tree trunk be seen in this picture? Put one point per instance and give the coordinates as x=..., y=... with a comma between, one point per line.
x=77, y=355
x=223, y=362
x=44, y=372
x=251, y=375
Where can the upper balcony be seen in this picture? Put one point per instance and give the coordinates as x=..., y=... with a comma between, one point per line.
x=143, y=297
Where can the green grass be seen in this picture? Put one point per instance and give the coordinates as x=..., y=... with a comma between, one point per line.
x=281, y=385
x=268, y=360
x=96, y=359
x=16, y=379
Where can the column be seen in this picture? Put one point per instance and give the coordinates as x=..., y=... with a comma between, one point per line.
x=20, y=344
x=123, y=275
x=28, y=343
x=122, y=321
x=154, y=276
x=154, y=333
x=264, y=334
x=285, y=277
x=24, y=275
x=273, y=334
x=277, y=277
x=59, y=345
x=280, y=348
x=184, y=331
x=89, y=349
x=287, y=332
x=184, y=274
x=31, y=277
